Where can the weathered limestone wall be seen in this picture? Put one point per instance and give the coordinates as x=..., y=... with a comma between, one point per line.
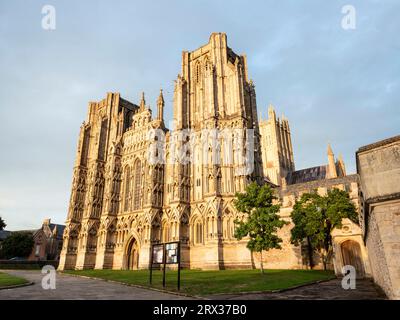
x=378, y=165
x=215, y=256
x=379, y=168
x=380, y=252
x=289, y=257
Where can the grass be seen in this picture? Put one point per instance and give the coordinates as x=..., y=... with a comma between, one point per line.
x=196, y=282
x=7, y=280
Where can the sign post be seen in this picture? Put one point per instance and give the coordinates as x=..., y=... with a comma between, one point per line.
x=179, y=265
x=163, y=254
x=156, y=257
x=163, y=271
x=151, y=266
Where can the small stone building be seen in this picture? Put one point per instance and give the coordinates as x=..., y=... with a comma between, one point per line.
x=378, y=166
x=48, y=241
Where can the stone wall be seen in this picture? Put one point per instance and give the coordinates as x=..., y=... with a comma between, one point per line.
x=378, y=165
x=298, y=189
x=288, y=257
x=377, y=256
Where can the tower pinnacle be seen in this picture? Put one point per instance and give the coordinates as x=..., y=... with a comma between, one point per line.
x=331, y=163
x=160, y=106
x=271, y=112
x=142, y=102
x=330, y=152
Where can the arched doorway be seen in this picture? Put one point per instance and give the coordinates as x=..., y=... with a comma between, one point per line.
x=351, y=254
x=133, y=255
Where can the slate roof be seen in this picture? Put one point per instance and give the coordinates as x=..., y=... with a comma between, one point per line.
x=306, y=175
x=267, y=181
x=60, y=229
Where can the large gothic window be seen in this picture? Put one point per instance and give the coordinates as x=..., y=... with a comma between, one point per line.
x=103, y=137
x=127, y=188
x=198, y=237
x=85, y=147
x=128, y=120
x=137, y=185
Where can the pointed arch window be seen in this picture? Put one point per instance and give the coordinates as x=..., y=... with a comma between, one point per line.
x=127, y=188
x=85, y=147
x=198, y=238
x=137, y=185
x=103, y=137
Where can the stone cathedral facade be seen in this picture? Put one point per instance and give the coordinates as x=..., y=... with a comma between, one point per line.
x=122, y=200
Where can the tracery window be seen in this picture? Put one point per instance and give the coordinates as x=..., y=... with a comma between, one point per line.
x=137, y=185
x=102, y=142
x=127, y=188
x=198, y=232
x=85, y=147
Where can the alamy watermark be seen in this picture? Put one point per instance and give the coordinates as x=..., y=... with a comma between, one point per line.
x=49, y=280
x=49, y=17
x=349, y=277
x=233, y=147
x=349, y=19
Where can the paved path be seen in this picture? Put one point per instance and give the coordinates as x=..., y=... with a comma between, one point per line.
x=77, y=288
x=72, y=288
x=329, y=290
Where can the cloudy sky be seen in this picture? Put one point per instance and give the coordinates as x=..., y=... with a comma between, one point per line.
x=335, y=85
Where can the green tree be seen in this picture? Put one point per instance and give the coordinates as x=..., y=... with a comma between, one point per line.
x=262, y=220
x=18, y=244
x=315, y=216
x=2, y=224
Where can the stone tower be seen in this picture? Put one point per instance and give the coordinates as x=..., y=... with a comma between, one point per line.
x=215, y=100
x=112, y=178
x=276, y=145
x=97, y=167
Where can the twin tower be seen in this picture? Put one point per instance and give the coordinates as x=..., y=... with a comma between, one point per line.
x=122, y=201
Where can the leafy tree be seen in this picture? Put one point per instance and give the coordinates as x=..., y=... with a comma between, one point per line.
x=262, y=221
x=315, y=216
x=2, y=224
x=18, y=244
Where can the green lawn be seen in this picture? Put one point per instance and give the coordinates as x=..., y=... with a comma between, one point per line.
x=197, y=282
x=7, y=280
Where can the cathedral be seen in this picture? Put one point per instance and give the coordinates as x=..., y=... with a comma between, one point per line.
x=137, y=182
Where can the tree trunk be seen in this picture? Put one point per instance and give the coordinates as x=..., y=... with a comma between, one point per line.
x=323, y=258
x=310, y=253
x=261, y=262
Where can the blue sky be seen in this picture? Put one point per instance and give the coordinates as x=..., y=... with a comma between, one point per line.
x=334, y=85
